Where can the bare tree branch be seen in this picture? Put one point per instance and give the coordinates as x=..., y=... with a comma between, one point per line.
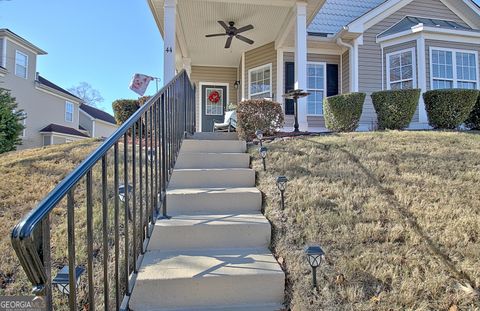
x=87, y=93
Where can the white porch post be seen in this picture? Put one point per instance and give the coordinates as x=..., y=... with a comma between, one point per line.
x=170, y=11
x=422, y=79
x=354, y=64
x=301, y=61
x=187, y=65
x=279, y=96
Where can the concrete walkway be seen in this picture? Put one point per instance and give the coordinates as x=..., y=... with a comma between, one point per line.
x=213, y=254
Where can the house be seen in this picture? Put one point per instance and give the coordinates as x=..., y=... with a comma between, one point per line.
x=52, y=113
x=327, y=47
x=96, y=122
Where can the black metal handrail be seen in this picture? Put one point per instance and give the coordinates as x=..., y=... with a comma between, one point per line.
x=160, y=126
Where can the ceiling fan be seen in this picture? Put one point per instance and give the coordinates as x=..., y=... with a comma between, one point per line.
x=232, y=31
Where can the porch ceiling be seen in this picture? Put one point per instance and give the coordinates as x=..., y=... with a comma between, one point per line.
x=196, y=18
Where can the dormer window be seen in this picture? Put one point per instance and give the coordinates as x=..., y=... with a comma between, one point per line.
x=21, y=64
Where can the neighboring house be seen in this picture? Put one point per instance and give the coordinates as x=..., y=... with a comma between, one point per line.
x=52, y=113
x=326, y=47
x=96, y=122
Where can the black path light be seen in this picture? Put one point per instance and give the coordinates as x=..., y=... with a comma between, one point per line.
x=263, y=154
x=151, y=153
x=314, y=255
x=259, y=135
x=62, y=280
x=282, y=185
x=122, y=192
x=295, y=95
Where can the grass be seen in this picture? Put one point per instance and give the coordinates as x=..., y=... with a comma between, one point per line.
x=397, y=214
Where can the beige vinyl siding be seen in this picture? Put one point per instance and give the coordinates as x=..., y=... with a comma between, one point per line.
x=449, y=45
x=370, y=66
x=215, y=75
x=345, y=72
x=103, y=129
x=396, y=48
x=316, y=121
x=260, y=56
x=59, y=140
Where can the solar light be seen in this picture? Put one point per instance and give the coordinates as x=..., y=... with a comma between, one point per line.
x=62, y=279
x=314, y=255
x=259, y=135
x=151, y=154
x=263, y=154
x=282, y=185
x=121, y=196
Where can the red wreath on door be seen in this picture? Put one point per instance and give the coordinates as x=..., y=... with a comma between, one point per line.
x=214, y=97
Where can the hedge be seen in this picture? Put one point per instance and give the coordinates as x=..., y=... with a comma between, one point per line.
x=124, y=108
x=473, y=121
x=448, y=108
x=342, y=112
x=395, y=108
x=258, y=114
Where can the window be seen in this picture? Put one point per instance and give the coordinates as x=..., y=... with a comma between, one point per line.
x=453, y=69
x=260, y=82
x=401, y=70
x=21, y=64
x=68, y=112
x=214, y=108
x=2, y=52
x=316, y=84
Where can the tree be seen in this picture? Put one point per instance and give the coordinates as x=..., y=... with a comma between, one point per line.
x=11, y=125
x=87, y=93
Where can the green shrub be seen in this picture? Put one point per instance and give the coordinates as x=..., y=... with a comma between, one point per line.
x=258, y=114
x=473, y=121
x=10, y=122
x=395, y=108
x=342, y=112
x=124, y=108
x=448, y=108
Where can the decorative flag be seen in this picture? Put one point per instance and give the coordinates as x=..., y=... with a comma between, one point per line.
x=140, y=83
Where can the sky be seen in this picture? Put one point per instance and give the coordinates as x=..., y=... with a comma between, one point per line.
x=101, y=42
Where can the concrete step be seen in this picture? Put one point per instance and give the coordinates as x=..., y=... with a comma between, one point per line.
x=213, y=146
x=242, y=307
x=213, y=160
x=211, y=231
x=212, y=178
x=215, y=136
x=203, y=278
x=213, y=200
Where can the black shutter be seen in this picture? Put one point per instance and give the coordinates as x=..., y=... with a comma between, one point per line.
x=332, y=80
x=289, y=85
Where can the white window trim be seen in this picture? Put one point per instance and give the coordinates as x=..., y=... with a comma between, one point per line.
x=324, y=86
x=250, y=78
x=414, y=67
x=454, y=65
x=73, y=111
x=3, y=46
x=26, y=67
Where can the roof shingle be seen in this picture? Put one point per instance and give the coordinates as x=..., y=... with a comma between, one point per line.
x=98, y=114
x=52, y=85
x=62, y=129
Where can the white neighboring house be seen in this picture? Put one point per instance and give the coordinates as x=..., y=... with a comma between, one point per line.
x=96, y=122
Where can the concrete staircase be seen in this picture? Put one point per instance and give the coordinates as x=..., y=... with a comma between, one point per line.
x=213, y=254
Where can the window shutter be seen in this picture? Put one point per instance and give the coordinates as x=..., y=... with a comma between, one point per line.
x=289, y=85
x=332, y=80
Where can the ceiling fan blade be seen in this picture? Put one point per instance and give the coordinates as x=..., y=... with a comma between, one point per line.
x=228, y=43
x=244, y=39
x=244, y=28
x=216, y=35
x=222, y=23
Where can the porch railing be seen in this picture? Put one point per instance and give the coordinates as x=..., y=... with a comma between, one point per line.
x=90, y=223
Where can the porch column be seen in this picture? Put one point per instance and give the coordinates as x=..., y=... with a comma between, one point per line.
x=301, y=61
x=422, y=79
x=187, y=65
x=170, y=12
x=354, y=64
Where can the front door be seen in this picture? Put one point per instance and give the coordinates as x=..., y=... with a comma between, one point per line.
x=214, y=102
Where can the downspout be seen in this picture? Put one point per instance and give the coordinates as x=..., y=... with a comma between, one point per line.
x=351, y=69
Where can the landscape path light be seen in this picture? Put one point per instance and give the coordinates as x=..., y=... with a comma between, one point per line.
x=314, y=254
x=151, y=154
x=282, y=185
x=122, y=192
x=263, y=154
x=259, y=135
x=62, y=279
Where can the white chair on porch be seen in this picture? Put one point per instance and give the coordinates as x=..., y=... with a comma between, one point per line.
x=229, y=123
